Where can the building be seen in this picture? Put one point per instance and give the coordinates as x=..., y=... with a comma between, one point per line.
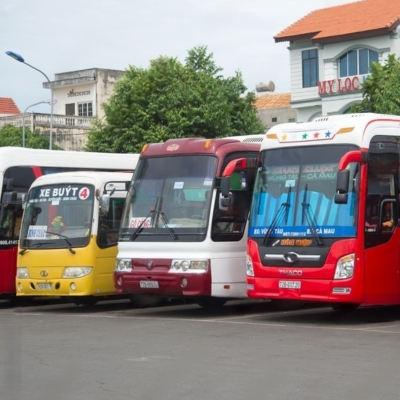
x=81, y=93
x=331, y=51
x=79, y=96
x=8, y=107
x=275, y=108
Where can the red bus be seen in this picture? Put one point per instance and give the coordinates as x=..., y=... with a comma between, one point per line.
x=183, y=230
x=324, y=217
x=19, y=167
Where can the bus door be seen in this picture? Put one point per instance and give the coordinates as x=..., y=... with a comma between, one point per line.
x=382, y=234
x=10, y=222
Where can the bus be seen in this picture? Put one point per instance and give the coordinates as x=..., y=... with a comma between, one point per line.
x=183, y=230
x=19, y=167
x=69, y=235
x=324, y=217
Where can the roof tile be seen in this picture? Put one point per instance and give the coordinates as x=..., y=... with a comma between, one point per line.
x=8, y=107
x=281, y=100
x=366, y=17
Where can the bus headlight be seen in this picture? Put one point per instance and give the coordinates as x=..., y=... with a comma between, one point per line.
x=76, y=272
x=123, y=265
x=345, y=267
x=189, y=265
x=22, y=273
x=249, y=266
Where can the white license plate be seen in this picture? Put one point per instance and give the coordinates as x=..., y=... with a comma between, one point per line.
x=289, y=284
x=149, y=284
x=44, y=286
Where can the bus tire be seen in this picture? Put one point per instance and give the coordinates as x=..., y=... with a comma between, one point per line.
x=210, y=302
x=83, y=301
x=287, y=305
x=344, y=307
x=145, y=300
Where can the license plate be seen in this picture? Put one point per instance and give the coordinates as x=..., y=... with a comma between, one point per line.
x=149, y=284
x=44, y=286
x=289, y=284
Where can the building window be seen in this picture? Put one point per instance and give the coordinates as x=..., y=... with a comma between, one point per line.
x=274, y=119
x=85, y=109
x=357, y=62
x=292, y=120
x=309, y=60
x=70, y=109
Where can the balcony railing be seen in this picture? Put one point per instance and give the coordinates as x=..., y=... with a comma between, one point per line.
x=36, y=120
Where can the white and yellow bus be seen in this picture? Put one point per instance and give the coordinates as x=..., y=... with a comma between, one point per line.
x=19, y=167
x=69, y=235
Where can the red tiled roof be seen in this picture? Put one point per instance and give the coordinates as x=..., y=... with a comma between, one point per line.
x=364, y=18
x=281, y=100
x=8, y=107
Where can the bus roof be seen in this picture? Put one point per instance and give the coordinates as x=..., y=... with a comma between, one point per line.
x=201, y=146
x=22, y=156
x=337, y=129
x=95, y=177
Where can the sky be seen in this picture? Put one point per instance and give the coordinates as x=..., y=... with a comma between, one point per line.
x=61, y=36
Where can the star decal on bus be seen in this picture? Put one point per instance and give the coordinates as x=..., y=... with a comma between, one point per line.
x=328, y=134
x=316, y=135
x=305, y=136
x=284, y=137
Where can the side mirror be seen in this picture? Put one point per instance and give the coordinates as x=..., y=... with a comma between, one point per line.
x=104, y=203
x=342, y=181
x=226, y=195
x=341, y=198
x=23, y=200
x=225, y=186
x=224, y=202
x=9, y=200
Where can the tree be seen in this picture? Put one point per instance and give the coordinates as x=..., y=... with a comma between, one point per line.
x=174, y=100
x=12, y=136
x=381, y=90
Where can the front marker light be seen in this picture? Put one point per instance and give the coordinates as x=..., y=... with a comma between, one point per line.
x=22, y=273
x=76, y=272
x=123, y=265
x=249, y=266
x=345, y=267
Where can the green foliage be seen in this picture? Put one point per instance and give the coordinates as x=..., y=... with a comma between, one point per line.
x=12, y=136
x=381, y=90
x=174, y=100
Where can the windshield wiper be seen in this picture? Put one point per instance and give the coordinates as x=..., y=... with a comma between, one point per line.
x=69, y=244
x=37, y=244
x=284, y=208
x=155, y=214
x=139, y=228
x=165, y=221
x=151, y=214
x=310, y=217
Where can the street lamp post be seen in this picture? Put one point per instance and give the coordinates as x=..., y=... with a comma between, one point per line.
x=19, y=58
x=23, y=118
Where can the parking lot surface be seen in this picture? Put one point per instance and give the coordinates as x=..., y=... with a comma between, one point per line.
x=244, y=350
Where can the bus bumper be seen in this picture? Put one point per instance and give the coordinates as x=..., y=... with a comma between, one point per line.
x=55, y=287
x=164, y=284
x=321, y=290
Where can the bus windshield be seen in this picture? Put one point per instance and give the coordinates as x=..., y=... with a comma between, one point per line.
x=169, y=196
x=294, y=194
x=57, y=216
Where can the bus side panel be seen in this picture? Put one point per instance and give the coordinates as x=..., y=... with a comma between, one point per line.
x=103, y=278
x=8, y=269
x=382, y=272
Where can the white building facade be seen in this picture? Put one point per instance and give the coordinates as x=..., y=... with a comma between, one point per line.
x=81, y=93
x=327, y=70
